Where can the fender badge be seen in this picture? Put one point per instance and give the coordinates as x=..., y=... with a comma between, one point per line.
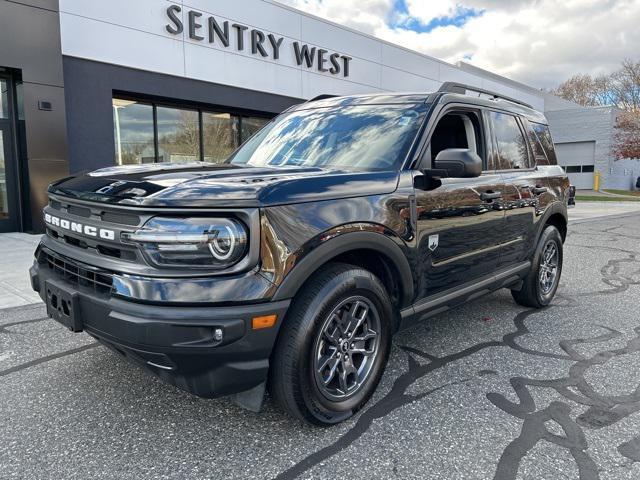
x=433, y=242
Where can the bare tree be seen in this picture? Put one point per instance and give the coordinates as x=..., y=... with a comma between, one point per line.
x=621, y=89
x=625, y=86
x=582, y=89
x=626, y=139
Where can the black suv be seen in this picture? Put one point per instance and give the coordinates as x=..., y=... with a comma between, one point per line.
x=291, y=265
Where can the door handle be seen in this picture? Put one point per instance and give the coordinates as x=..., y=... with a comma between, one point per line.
x=539, y=190
x=487, y=196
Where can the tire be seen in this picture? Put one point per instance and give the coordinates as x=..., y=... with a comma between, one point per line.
x=296, y=380
x=534, y=292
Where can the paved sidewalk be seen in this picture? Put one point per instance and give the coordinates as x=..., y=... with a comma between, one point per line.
x=602, y=193
x=591, y=210
x=17, y=256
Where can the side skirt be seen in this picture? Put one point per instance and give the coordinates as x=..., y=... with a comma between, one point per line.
x=443, y=301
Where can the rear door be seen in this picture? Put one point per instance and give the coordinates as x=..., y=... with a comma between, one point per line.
x=459, y=220
x=526, y=189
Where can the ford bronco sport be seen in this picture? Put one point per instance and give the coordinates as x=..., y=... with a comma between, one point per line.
x=291, y=265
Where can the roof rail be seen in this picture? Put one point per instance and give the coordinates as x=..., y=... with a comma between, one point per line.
x=324, y=96
x=461, y=88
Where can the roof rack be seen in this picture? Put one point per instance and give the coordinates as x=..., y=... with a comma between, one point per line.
x=461, y=88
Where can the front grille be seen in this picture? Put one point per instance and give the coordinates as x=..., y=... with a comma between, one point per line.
x=96, y=216
x=122, y=218
x=79, y=211
x=77, y=273
x=104, y=250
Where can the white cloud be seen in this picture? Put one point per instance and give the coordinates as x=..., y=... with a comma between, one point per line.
x=539, y=42
x=368, y=16
x=428, y=10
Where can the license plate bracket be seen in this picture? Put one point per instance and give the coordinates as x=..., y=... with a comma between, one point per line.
x=63, y=305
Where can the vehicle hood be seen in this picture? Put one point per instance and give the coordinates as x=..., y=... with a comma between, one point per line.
x=223, y=185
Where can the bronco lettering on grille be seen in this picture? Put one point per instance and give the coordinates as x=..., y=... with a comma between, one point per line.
x=76, y=227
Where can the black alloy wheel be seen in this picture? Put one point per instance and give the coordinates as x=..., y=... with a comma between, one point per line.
x=541, y=283
x=346, y=348
x=333, y=345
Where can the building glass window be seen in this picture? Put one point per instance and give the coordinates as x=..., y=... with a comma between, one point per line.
x=251, y=125
x=588, y=168
x=133, y=132
x=573, y=168
x=513, y=152
x=220, y=135
x=178, y=135
x=4, y=99
x=146, y=132
x=4, y=207
x=20, y=99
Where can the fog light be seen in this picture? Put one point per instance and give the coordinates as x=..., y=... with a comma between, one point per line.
x=217, y=334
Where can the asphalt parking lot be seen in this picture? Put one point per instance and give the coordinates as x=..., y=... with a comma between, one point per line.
x=490, y=390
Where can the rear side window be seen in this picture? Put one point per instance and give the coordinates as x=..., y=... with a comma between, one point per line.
x=545, y=141
x=539, y=154
x=513, y=152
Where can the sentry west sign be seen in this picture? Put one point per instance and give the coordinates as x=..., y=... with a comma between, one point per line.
x=209, y=29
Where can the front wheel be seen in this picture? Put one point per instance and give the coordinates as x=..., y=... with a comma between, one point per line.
x=333, y=346
x=541, y=283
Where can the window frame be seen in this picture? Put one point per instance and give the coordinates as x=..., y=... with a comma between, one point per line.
x=192, y=106
x=519, y=122
x=424, y=159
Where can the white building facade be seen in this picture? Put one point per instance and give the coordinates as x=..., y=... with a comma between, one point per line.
x=181, y=80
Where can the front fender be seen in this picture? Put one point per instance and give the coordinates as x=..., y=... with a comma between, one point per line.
x=344, y=239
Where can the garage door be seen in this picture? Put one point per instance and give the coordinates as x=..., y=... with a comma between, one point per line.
x=578, y=159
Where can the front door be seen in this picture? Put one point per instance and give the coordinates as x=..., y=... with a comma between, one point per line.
x=9, y=214
x=459, y=231
x=459, y=222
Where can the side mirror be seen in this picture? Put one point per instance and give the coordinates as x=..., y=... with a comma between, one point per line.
x=458, y=163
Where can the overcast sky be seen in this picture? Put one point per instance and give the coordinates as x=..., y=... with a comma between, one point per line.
x=538, y=42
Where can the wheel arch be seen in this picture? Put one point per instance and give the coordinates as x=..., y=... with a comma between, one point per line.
x=555, y=215
x=376, y=252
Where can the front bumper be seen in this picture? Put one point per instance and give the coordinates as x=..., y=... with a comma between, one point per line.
x=175, y=342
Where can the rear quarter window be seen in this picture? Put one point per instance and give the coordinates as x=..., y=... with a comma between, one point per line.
x=542, y=144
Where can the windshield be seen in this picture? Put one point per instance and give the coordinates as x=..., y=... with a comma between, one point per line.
x=370, y=137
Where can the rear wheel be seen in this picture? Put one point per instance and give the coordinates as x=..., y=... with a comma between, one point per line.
x=333, y=347
x=541, y=283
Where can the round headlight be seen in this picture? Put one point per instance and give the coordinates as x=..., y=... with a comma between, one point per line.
x=212, y=243
x=223, y=244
